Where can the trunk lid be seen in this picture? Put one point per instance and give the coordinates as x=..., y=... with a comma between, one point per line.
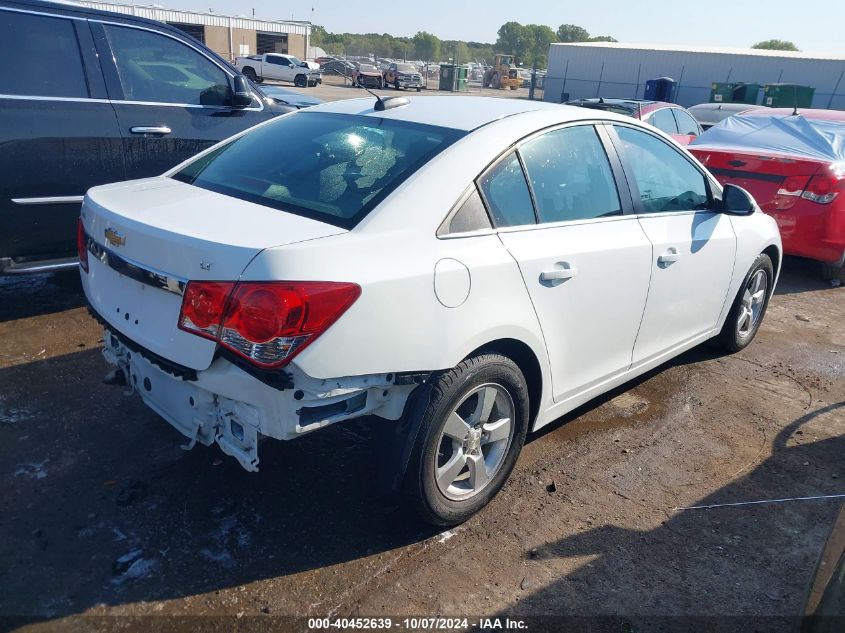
x=160, y=233
x=776, y=180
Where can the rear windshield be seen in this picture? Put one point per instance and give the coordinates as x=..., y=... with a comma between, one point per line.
x=331, y=167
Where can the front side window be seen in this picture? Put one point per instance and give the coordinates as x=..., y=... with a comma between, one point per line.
x=160, y=69
x=41, y=57
x=278, y=61
x=664, y=121
x=666, y=180
x=570, y=175
x=332, y=167
x=506, y=193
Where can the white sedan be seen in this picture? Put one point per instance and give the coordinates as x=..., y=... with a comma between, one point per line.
x=470, y=268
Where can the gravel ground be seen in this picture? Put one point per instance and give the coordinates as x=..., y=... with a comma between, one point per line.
x=104, y=515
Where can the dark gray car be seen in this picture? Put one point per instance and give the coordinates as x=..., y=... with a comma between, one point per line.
x=89, y=97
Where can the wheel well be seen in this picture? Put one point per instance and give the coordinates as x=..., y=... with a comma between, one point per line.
x=528, y=364
x=774, y=254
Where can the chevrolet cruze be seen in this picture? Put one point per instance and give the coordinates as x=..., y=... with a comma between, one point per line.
x=468, y=268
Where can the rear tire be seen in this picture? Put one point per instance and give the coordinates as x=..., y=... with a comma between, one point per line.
x=833, y=272
x=478, y=413
x=249, y=73
x=749, y=306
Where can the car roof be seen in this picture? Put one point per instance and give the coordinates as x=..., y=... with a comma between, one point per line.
x=457, y=112
x=634, y=106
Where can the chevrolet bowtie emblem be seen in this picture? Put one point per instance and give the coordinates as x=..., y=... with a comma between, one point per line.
x=114, y=238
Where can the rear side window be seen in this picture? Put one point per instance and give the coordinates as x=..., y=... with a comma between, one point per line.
x=664, y=121
x=686, y=124
x=570, y=175
x=506, y=193
x=328, y=166
x=40, y=56
x=666, y=180
x=159, y=69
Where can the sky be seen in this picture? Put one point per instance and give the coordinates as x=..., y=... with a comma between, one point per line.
x=813, y=25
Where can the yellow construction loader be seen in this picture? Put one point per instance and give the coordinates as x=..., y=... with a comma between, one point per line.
x=502, y=74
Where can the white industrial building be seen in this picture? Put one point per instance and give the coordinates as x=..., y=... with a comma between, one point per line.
x=609, y=69
x=228, y=36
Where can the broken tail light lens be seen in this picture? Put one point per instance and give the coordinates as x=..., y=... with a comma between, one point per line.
x=202, y=307
x=82, y=245
x=267, y=323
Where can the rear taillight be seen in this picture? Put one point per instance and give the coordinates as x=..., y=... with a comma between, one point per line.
x=202, y=307
x=823, y=188
x=793, y=186
x=267, y=323
x=82, y=245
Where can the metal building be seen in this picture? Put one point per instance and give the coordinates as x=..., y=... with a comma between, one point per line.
x=228, y=36
x=608, y=69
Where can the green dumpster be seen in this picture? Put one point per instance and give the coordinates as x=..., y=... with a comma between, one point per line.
x=447, y=77
x=721, y=92
x=462, y=73
x=788, y=96
x=736, y=92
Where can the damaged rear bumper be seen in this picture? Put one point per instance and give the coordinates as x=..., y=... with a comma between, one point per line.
x=225, y=405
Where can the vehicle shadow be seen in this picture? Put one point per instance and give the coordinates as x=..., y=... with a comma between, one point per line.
x=102, y=506
x=23, y=296
x=801, y=275
x=643, y=574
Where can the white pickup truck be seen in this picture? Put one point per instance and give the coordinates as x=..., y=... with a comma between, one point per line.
x=278, y=66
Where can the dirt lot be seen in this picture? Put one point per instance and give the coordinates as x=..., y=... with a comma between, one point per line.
x=103, y=514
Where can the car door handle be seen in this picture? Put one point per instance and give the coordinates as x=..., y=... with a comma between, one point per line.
x=156, y=129
x=557, y=274
x=669, y=257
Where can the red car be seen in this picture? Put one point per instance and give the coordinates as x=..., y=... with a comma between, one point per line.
x=667, y=117
x=794, y=166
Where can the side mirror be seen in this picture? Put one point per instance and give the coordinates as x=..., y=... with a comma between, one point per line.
x=737, y=201
x=242, y=96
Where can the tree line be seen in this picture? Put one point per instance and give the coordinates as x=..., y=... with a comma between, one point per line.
x=528, y=43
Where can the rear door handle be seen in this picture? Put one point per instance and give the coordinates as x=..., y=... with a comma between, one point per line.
x=558, y=274
x=144, y=129
x=669, y=257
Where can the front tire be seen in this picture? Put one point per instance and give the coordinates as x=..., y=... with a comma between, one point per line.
x=300, y=81
x=469, y=439
x=749, y=306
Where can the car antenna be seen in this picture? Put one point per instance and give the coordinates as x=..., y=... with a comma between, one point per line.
x=379, y=102
x=795, y=109
x=389, y=102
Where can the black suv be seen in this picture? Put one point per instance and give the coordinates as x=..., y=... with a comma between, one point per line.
x=89, y=97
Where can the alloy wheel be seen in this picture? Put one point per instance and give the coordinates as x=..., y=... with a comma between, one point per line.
x=474, y=442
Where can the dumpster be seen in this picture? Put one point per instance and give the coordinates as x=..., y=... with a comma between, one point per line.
x=462, y=73
x=661, y=89
x=736, y=92
x=788, y=96
x=447, y=77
